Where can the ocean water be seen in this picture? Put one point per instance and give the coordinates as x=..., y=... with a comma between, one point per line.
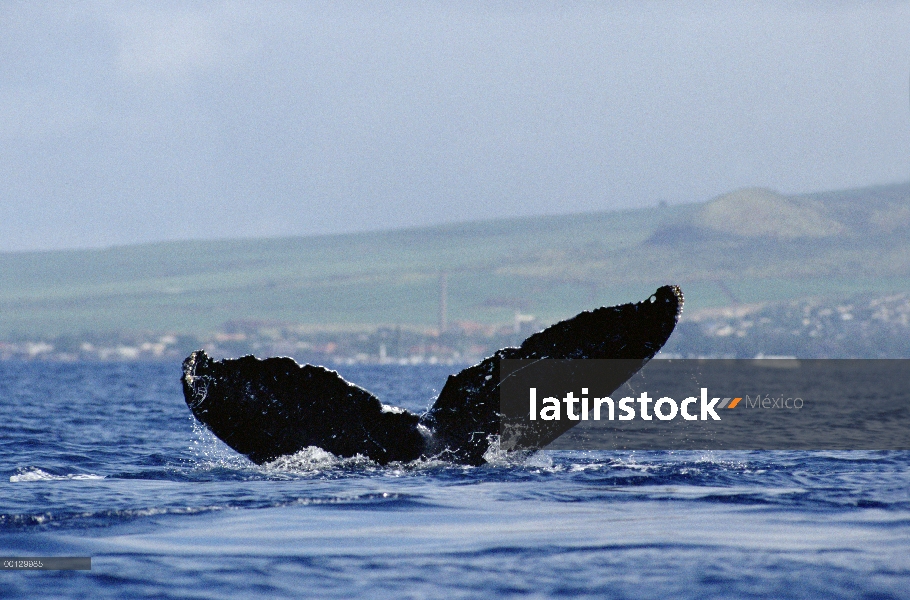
x=104, y=460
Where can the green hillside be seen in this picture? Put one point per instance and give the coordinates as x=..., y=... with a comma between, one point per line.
x=747, y=246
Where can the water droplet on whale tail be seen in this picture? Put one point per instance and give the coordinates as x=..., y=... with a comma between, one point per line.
x=266, y=408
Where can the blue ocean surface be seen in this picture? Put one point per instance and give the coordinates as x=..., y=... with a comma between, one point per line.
x=104, y=460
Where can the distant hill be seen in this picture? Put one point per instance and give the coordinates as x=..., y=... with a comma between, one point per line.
x=763, y=213
x=748, y=246
x=755, y=213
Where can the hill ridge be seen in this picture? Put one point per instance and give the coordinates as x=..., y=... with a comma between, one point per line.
x=549, y=266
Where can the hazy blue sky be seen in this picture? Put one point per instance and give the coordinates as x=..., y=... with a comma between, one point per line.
x=126, y=122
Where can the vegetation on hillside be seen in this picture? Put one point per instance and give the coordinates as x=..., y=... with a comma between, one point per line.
x=750, y=246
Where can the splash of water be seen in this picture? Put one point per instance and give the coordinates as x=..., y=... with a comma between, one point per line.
x=36, y=474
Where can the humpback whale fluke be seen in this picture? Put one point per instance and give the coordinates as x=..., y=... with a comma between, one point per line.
x=266, y=408
x=272, y=407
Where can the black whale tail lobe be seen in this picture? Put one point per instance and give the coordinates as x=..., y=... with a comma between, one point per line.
x=273, y=407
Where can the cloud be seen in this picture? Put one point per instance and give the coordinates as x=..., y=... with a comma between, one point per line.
x=327, y=117
x=39, y=114
x=176, y=42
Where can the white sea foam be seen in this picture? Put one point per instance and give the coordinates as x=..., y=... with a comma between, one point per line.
x=311, y=458
x=35, y=474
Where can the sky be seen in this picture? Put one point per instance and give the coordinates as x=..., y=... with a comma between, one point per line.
x=132, y=122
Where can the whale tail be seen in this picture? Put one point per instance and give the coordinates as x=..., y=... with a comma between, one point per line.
x=273, y=407
x=266, y=408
